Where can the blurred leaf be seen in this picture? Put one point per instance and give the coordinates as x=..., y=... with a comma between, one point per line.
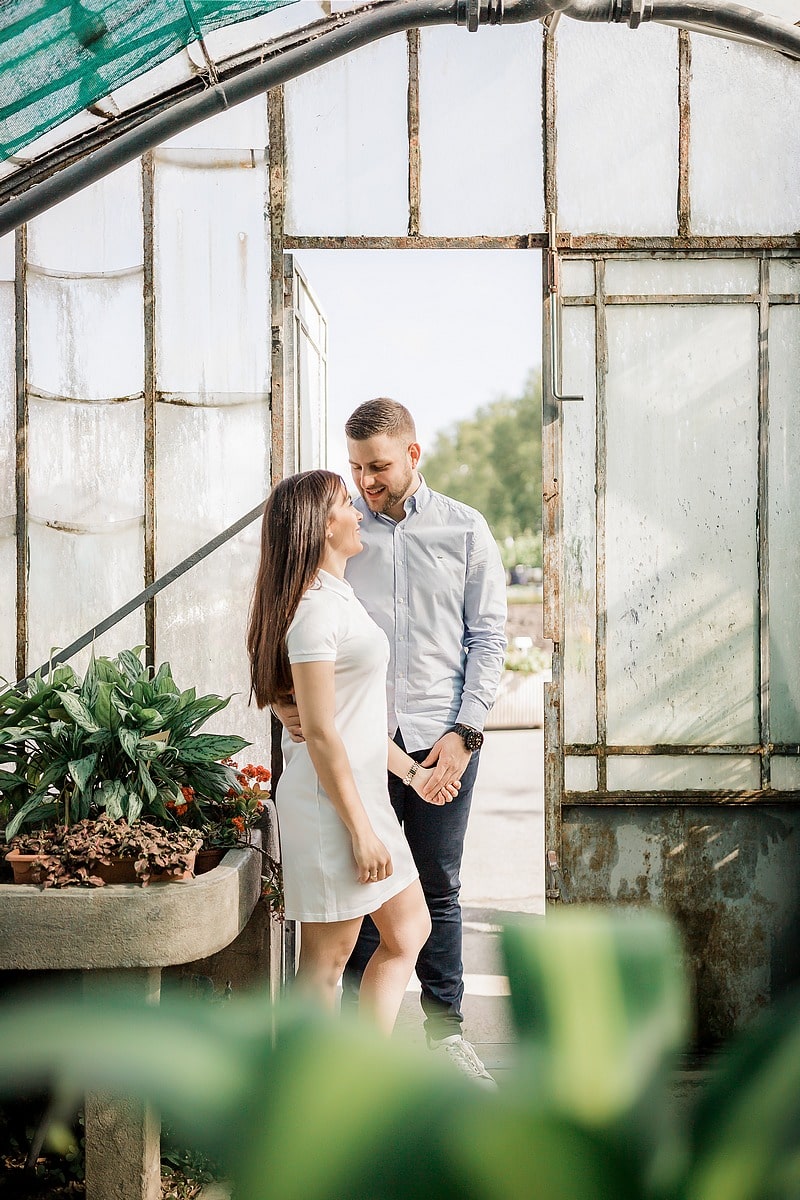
x=747, y=1128
x=205, y=746
x=79, y=712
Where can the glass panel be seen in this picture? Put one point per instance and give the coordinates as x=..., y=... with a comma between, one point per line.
x=7, y=263
x=577, y=277
x=312, y=416
x=212, y=281
x=478, y=174
x=682, y=276
x=202, y=621
x=8, y=402
x=681, y=524
x=242, y=127
x=8, y=600
x=78, y=579
x=213, y=467
x=580, y=774
x=580, y=720
x=785, y=773
x=784, y=275
x=97, y=230
x=744, y=150
x=86, y=336
x=610, y=180
x=784, y=521
x=86, y=461
x=347, y=144
x=662, y=772
x=245, y=34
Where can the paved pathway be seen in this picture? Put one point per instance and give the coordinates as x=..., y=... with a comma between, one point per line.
x=503, y=872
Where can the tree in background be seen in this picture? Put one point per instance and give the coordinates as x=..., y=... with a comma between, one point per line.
x=493, y=462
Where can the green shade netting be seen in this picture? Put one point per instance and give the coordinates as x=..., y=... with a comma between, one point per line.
x=59, y=56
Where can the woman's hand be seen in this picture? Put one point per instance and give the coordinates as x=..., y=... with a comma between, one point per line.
x=373, y=860
x=444, y=795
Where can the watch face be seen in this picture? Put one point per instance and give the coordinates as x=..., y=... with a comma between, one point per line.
x=473, y=738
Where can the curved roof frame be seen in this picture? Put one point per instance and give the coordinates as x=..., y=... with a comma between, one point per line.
x=66, y=169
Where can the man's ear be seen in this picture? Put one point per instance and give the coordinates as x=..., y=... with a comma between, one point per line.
x=415, y=453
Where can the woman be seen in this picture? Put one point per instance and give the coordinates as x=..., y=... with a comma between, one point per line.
x=344, y=853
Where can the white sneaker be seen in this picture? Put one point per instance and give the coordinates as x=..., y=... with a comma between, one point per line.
x=462, y=1055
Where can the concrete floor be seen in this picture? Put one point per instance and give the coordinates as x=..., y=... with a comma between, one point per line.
x=503, y=872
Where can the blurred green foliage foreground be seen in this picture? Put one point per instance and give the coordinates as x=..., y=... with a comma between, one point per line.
x=326, y=1111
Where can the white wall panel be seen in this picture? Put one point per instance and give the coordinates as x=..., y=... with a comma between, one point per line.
x=481, y=130
x=97, y=230
x=347, y=144
x=617, y=128
x=745, y=140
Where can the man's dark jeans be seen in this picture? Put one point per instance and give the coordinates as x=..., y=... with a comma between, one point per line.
x=435, y=834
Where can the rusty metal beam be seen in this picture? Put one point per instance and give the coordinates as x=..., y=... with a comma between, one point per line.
x=520, y=241
x=580, y=749
x=149, y=296
x=414, y=163
x=684, y=134
x=712, y=798
x=601, y=422
x=762, y=520
x=21, y=423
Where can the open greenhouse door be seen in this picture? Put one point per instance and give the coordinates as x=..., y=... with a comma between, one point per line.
x=673, y=721
x=305, y=373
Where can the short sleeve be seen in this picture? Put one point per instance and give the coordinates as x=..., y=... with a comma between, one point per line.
x=312, y=635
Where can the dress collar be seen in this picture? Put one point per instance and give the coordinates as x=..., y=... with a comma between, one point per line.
x=326, y=580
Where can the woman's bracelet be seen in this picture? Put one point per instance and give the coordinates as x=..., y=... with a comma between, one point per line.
x=412, y=770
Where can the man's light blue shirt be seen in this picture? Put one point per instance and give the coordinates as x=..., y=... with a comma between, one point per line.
x=435, y=584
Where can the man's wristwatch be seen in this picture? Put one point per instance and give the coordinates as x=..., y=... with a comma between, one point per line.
x=472, y=738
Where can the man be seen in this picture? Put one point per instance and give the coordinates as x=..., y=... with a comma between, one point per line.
x=430, y=575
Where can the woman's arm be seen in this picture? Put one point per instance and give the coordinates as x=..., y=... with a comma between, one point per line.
x=314, y=692
x=402, y=764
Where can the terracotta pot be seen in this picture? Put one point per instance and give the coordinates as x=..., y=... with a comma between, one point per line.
x=119, y=870
x=207, y=860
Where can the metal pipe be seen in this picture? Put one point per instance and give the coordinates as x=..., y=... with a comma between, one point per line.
x=707, y=16
x=330, y=40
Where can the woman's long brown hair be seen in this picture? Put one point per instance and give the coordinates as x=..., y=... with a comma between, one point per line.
x=292, y=545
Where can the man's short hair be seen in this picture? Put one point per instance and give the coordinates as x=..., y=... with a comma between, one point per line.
x=380, y=416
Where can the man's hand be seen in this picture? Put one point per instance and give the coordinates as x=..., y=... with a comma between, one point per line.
x=289, y=718
x=449, y=757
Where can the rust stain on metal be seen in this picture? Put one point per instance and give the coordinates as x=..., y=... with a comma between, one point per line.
x=684, y=132
x=149, y=297
x=413, y=133
x=277, y=209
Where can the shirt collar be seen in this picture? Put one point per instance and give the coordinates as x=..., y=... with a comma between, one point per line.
x=327, y=580
x=416, y=502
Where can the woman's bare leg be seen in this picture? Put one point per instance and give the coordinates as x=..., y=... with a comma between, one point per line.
x=324, y=951
x=404, y=925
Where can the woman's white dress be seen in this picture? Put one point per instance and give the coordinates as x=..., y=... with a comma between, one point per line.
x=319, y=870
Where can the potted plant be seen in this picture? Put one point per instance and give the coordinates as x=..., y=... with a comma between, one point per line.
x=120, y=745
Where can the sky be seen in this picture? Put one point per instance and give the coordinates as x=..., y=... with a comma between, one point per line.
x=443, y=331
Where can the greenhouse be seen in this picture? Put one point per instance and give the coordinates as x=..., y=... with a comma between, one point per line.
x=164, y=361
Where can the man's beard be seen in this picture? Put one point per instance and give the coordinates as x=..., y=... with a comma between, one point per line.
x=389, y=498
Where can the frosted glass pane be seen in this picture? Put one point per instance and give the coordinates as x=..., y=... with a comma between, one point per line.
x=347, y=144
x=312, y=415
x=242, y=127
x=784, y=522
x=86, y=336
x=86, y=461
x=8, y=401
x=481, y=173
x=784, y=275
x=212, y=468
x=78, y=579
x=785, y=773
x=7, y=258
x=580, y=774
x=202, y=621
x=577, y=277
x=681, y=276
x=613, y=177
x=661, y=772
x=681, y=583
x=245, y=34
x=97, y=230
x=578, y=497
x=744, y=151
x=8, y=601
x=212, y=281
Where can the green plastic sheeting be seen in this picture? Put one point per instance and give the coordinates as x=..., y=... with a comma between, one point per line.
x=57, y=57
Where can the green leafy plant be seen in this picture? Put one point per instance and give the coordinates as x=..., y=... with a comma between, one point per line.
x=122, y=741
x=324, y=1109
